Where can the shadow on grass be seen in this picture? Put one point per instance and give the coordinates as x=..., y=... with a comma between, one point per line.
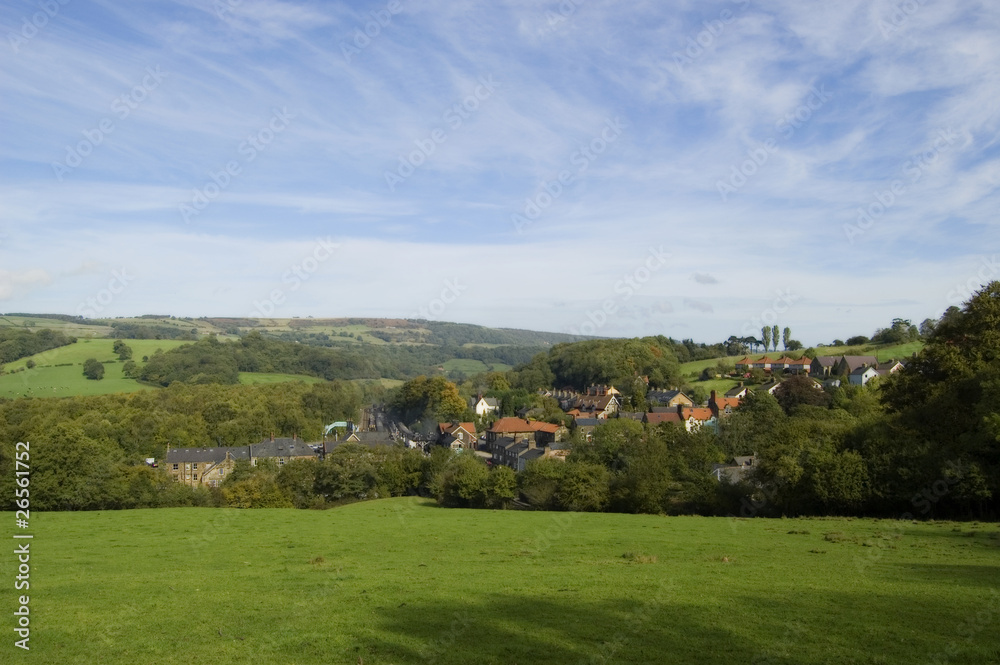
x=984, y=577
x=522, y=629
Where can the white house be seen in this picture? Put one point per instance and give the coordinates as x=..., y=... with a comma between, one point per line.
x=486, y=406
x=862, y=375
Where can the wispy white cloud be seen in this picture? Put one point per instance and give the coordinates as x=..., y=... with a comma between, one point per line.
x=692, y=116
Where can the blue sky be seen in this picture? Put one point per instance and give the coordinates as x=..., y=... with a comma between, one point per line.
x=615, y=168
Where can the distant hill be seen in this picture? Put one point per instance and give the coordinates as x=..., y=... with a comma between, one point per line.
x=371, y=330
x=386, y=349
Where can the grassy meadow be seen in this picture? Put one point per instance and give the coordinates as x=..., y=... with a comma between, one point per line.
x=470, y=367
x=59, y=372
x=403, y=581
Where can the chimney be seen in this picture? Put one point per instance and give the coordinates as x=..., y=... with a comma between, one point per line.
x=294, y=435
x=272, y=437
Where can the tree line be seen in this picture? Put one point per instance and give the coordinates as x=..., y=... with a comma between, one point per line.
x=17, y=343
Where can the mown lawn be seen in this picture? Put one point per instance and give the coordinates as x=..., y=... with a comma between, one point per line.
x=403, y=581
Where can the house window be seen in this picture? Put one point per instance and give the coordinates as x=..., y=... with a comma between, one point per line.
x=194, y=466
x=196, y=476
x=175, y=466
x=281, y=460
x=222, y=472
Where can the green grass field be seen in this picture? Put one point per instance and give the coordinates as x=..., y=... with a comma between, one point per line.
x=48, y=380
x=471, y=367
x=403, y=581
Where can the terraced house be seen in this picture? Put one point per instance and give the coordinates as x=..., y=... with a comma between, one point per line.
x=208, y=467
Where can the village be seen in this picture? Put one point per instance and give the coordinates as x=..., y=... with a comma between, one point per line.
x=515, y=441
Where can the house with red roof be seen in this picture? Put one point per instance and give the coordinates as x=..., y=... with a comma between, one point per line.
x=457, y=435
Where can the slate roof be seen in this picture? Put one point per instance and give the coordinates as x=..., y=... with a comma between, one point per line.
x=214, y=455
x=283, y=448
x=663, y=396
x=853, y=362
x=588, y=422
x=531, y=453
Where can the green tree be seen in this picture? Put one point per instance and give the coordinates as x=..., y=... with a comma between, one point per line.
x=957, y=373
x=501, y=487
x=774, y=336
x=93, y=369
x=432, y=399
x=463, y=483
x=786, y=337
x=541, y=480
x=584, y=487
x=123, y=350
x=765, y=334
x=800, y=389
x=927, y=327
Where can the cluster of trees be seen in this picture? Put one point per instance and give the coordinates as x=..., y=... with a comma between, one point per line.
x=86, y=448
x=769, y=338
x=602, y=361
x=212, y=361
x=123, y=330
x=428, y=401
x=16, y=343
x=352, y=472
